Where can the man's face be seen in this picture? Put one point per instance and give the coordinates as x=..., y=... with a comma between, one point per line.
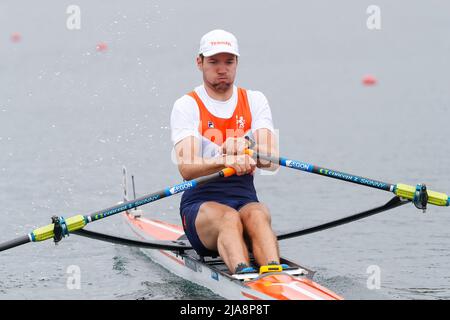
x=218, y=70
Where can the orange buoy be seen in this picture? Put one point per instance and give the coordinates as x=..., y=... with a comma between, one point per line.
x=16, y=37
x=369, y=80
x=101, y=46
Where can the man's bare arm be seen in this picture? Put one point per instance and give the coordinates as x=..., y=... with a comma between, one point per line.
x=191, y=165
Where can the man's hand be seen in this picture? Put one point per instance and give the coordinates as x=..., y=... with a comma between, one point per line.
x=242, y=164
x=234, y=146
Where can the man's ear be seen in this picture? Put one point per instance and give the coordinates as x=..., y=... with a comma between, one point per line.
x=199, y=63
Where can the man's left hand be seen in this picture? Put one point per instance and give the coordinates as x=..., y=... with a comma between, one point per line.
x=234, y=146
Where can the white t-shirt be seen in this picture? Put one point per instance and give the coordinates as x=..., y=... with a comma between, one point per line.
x=185, y=117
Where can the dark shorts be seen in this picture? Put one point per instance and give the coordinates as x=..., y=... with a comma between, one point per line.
x=189, y=215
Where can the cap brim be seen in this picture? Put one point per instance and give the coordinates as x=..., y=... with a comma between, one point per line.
x=220, y=50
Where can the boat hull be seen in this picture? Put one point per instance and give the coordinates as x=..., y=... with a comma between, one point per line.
x=213, y=274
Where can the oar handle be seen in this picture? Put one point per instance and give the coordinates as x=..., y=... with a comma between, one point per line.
x=228, y=172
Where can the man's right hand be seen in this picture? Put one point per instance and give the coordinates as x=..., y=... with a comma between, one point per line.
x=242, y=164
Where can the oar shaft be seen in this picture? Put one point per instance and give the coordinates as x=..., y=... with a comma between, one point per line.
x=393, y=203
x=307, y=167
x=14, y=243
x=401, y=190
x=336, y=174
x=79, y=221
x=169, y=191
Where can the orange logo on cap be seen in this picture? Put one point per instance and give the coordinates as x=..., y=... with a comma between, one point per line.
x=215, y=43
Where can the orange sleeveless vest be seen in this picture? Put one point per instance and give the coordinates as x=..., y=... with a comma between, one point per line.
x=217, y=129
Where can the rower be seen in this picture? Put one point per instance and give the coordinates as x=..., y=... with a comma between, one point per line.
x=208, y=127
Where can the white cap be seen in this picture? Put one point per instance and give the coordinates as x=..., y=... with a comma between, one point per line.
x=218, y=41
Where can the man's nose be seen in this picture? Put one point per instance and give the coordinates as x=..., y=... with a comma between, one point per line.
x=221, y=69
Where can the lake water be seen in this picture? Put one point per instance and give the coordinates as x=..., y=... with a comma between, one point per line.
x=71, y=117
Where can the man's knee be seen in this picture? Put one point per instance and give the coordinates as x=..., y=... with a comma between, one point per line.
x=219, y=217
x=231, y=219
x=256, y=216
